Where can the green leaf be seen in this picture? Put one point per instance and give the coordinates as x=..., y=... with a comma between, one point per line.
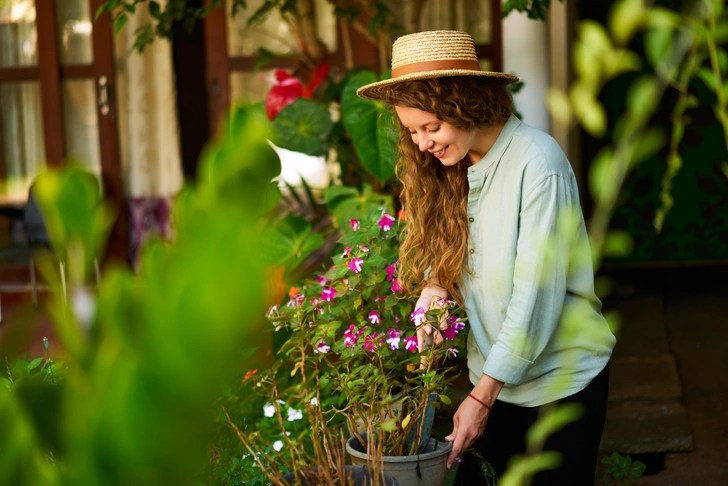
x=637, y=469
x=706, y=74
x=625, y=18
x=99, y=11
x=119, y=23
x=346, y=203
x=648, y=145
x=601, y=177
x=553, y=421
x=590, y=112
x=290, y=241
x=371, y=126
x=618, y=244
x=625, y=462
x=657, y=45
x=642, y=97
x=445, y=399
x=559, y=106
x=33, y=364
x=7, y=383
x=154, y=9
x=303, y=126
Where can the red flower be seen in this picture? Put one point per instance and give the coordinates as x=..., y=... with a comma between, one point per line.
x=285, y=91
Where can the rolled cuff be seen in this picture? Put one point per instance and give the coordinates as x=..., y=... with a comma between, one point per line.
x=505, y=366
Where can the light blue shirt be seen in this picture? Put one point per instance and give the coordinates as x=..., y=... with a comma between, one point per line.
x=535, y=321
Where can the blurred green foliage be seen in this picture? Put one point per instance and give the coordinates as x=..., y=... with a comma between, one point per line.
x=138, y=398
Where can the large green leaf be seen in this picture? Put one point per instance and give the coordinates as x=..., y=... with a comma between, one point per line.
x=371, y=126
x=346, y=203
x=303, y=126
x=290, y=241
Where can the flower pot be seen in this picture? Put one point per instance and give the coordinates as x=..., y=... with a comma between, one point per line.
x=429, y=418
x=425, y=469
x=359, y=475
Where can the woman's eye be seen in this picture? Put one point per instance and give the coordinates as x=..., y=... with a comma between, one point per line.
x=434, y=129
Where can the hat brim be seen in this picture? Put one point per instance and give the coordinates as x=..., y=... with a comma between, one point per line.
x=377, y=91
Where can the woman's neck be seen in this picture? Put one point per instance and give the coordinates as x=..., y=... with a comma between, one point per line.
x=484, y=140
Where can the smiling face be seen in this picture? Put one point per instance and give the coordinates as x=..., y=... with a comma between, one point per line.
x=446, y=142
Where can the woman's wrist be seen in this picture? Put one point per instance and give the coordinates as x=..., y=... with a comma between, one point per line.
x=486, y=390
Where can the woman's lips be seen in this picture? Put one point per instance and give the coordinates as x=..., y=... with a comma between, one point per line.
x=441, y=153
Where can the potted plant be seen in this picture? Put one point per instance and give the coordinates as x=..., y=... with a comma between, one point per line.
x=353, y=332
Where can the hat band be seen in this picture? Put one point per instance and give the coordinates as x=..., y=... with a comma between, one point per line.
x=419, y=67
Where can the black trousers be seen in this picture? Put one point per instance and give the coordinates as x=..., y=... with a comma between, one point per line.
x=578, y=442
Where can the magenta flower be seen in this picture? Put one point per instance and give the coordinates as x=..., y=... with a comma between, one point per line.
x=386, y=222
x=272, y=311
x=295, y=301
x=354, y=224
x=450, y=333
x=346, y=253
x=391, y=270
x=396, y=287
x=394, y=338
x=323, y=348
x=351, y=336
x=410, y=343
x=418, y=316
x=363, y=248
x=370, y=342
x=328, y=294
x=355, y=265
x=322, y=280
x=451, y=351
x=374, y=317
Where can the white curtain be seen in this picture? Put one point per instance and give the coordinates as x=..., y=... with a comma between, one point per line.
x=21, y=123
x=149, y=132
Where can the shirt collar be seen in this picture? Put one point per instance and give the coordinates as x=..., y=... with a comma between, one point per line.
x=500, y=146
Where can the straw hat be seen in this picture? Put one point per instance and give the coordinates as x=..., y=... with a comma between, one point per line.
x=432, y=54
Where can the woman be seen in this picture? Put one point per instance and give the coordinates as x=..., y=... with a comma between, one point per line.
x=493, y=221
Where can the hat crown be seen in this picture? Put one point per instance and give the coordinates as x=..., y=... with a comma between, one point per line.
x=437, y=45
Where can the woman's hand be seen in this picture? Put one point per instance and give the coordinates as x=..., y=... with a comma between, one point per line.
x=470, y=419
x=424, y=303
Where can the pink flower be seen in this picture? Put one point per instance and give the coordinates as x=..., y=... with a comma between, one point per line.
x=410, y=343
x=450, y=333
x=396, y=287
x=391, y=270
x=451, y=351
x=374, y=317
x=328, y=294
x=322, y=280
x=295, y=301
x=272, y=311
x=363, y=248
x=322, y=347
x=370, y=342
x=386, y=222
x=354, y=224
x=355, y=265
x=346, y=253
x=418, y=316
x=351, y=336
x=394, y=338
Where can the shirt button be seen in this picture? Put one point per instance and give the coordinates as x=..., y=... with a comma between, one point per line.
x=472, y=250
x=471, y=219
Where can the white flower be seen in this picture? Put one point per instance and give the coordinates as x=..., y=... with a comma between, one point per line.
x=278, y=445
x=294, y=414
x=314, y=401
x=269, y=410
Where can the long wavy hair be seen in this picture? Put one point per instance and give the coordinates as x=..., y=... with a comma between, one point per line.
x=435, y=240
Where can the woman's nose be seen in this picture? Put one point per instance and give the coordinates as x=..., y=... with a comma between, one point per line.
x=424, y=143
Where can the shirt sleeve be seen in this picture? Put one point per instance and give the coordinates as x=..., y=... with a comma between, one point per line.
x=539, y=280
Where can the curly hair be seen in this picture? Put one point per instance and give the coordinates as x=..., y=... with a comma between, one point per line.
x=435, y=240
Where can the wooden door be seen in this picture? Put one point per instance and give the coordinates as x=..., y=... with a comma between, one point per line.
x=57, y=98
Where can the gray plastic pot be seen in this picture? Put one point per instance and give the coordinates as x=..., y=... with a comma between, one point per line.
x=360, y=476
x=425, y=469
